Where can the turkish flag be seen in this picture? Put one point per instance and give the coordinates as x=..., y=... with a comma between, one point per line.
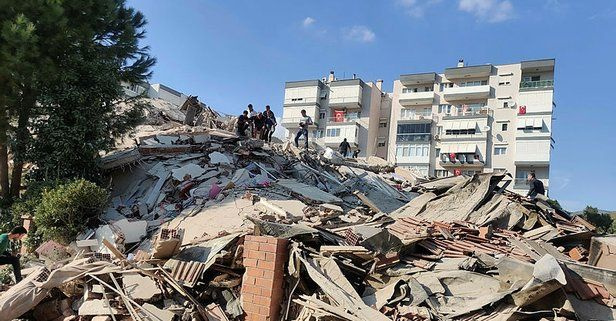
x=457, y=172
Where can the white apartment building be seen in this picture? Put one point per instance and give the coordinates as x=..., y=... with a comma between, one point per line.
x=472, y=119
x=156, y=91
x=350, y=108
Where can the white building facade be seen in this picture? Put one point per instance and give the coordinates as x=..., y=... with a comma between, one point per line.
x=350, y=108
x=473, y=119
x=155, y=91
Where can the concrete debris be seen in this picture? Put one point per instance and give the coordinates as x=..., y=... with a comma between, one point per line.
x=205, y=225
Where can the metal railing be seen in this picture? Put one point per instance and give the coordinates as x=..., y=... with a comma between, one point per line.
x=537, y=84
x=345, y=119
x=413, y=137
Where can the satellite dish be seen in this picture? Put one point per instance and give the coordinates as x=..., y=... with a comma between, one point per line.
x=486, y=128
x=511, y=104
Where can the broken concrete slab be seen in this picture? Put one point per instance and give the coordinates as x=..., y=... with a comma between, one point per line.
x=308, y=192
x=140, y=287
x=97, y=307
x=187, y=171
x=218, y=158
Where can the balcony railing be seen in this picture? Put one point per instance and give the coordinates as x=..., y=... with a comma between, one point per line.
x=539, y=84
x=345, y=119
x=297, y=120
x=417, y=116
x=413, y=137
x=459, y=111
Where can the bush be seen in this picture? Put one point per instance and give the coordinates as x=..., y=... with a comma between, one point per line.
x=68, y=209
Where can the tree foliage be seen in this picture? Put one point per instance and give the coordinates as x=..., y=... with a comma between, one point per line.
x=605, y=223
x=68, y=209
x=61, y=68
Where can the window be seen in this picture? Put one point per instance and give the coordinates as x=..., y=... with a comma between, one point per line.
x=505, y=104
x=383, y=125
x=504, y=127
x=441, y=173
x=500, y=150
x=297, y=99
x=444, y=109
x=531, y=78
x=473, y=83
x=321, y=115
x=504, y=83
x=381, y=144
x=438, y=152
x=460, y=131
x=428, y=88
x=332, y=132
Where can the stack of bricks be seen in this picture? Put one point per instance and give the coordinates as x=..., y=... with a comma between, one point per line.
x=262, y=285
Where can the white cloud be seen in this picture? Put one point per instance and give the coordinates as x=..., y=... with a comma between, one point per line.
x=416, y=8
x=308, y=22
x=359, y=34
x=488, y=10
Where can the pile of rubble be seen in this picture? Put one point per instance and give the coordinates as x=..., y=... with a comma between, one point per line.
x=203, y=225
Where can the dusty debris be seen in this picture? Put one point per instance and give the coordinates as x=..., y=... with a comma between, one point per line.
x=203, y=225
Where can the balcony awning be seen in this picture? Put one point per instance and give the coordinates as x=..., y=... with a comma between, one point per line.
x=461, y=125
x=458, y=148
x=530, y=122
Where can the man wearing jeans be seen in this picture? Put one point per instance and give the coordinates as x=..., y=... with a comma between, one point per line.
x=6, y=257
x=303, y=128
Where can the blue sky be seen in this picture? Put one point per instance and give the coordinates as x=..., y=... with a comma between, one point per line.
x=231, y=53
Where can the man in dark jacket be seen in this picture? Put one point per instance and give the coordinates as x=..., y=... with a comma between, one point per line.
x=535, y=186
x=270, y=124
x=344, y=148
x=242, y=124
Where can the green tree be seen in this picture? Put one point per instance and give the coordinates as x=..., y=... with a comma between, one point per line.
x=49, y=51
x=603, y=222
x=68, y=209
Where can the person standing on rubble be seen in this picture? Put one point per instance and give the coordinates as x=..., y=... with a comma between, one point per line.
x=259, y=123
x=6, y=257
x=270, y=124
x=356, y=153
x=344, y=148
x=303, y=128
x=242, y=124
x=536, y=186
x=252, y=114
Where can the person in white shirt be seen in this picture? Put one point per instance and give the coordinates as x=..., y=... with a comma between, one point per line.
x=303, y=128
x=252, y=114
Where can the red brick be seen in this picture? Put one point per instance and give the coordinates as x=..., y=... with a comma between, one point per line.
x=267, y=291
x=265, y=265
x=267, y=274
x=270, y=257
x=264, y=310
x=267, y=247
x=253, y=254
x=249, y=280
x=255, y=272
x=258, y=317
x=248, y=297
x=251, y=246
x=250, y=262
x=266, y=283
x=272, y=240
x=251, y=308
x=262, y=300
x=251, y=289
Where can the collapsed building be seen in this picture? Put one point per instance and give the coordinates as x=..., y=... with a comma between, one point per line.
x=204, y=225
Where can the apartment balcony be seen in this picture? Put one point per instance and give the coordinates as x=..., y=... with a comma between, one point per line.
x=468, y=72
x=416, y=98
x=465, y=164
x=413, y=137
x=461, y=111
x=335, y=134
x=342, y=120
x=346, y=94
x=537, y=85
x=291, y=116
x=467, y=92
x=421, y=118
